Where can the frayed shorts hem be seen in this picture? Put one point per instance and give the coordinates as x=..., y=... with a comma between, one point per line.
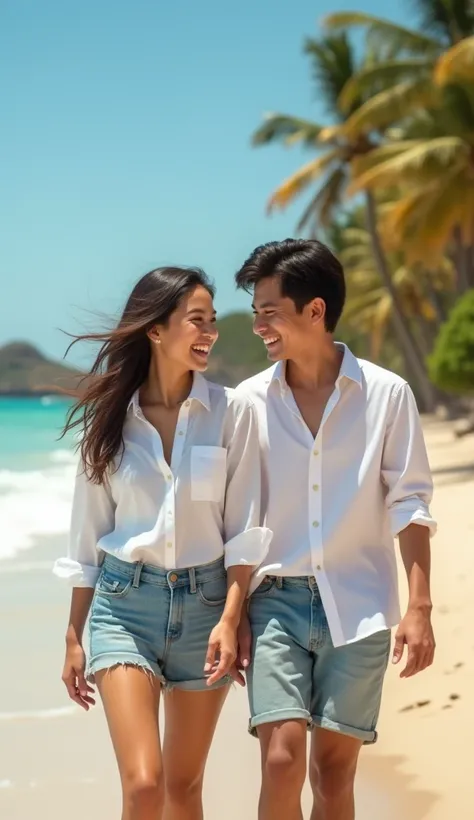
x=102, y=662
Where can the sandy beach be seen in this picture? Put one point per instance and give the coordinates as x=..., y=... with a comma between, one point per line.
x=56, y=761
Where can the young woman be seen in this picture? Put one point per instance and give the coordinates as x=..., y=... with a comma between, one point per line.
x=167, y=500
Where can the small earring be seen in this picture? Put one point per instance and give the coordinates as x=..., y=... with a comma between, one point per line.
x=157, y=341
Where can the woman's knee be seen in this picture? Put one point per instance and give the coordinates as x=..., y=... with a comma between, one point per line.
x=182, y=789
x=144, y=792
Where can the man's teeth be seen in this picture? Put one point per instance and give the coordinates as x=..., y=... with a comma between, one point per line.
x=270, y=341
x=201, y=348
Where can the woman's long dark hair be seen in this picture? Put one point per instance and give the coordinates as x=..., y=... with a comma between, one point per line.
x=122, y=364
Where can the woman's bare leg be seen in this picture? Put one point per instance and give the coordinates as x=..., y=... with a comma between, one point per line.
x=131, y=698
x=190, y=722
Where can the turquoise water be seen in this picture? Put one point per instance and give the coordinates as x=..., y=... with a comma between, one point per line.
x=37, y=471
x=30, y=430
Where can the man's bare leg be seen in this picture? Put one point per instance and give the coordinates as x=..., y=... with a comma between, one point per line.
x=283, y=750
x=333, y=765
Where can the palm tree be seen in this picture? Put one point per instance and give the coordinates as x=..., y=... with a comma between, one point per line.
x=408, y=58
x=334, y=65
x=431, y=159
x=369, y=305
x=442, y=51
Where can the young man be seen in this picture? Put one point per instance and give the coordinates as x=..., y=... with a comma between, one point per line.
x=345, y=471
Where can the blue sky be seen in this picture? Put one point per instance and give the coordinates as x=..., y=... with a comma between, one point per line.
x=125, y=140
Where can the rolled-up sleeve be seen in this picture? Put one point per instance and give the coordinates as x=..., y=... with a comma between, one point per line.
x=93, y=516
x=405, y=468
x=246, y=542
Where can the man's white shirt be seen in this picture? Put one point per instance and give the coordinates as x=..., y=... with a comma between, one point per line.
x=336, y=502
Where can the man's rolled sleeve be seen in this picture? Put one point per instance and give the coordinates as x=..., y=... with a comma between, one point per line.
x=405, y=468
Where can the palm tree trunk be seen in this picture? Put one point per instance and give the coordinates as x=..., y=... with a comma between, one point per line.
x=463, y=262
x=436, y=301
x=403, y=332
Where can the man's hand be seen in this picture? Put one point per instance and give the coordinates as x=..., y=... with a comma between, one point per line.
x=415, y=631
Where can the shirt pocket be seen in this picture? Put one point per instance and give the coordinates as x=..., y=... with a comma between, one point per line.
x=208, y=473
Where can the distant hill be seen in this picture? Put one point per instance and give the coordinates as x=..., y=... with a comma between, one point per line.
x=238, y=353
x=26, y=371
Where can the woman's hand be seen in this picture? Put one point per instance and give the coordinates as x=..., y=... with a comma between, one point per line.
x=221, y=651
x=74, y=679
x=244, y=639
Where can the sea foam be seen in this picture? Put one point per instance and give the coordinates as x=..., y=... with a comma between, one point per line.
x=36, y=503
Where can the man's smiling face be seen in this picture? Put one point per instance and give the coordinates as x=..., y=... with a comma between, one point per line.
x=284, y=330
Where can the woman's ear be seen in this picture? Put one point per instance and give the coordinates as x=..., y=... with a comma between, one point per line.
x=154, y=336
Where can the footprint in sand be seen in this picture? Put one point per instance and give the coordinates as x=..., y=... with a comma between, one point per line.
x=418, y=705
x=456, y=666
x=452, y=697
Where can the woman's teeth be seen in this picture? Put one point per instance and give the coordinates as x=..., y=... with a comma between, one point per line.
x=271, y=341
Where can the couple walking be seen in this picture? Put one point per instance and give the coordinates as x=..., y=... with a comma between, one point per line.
x=223, y=534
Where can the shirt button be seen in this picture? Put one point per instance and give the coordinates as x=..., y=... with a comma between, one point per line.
x=315, y=487
x=315, y=523
x=187, y=403
x=318, y=568
x=169, y=477
x=315, y=452
x=180, y=433
x=169, y=544
x=173, y=577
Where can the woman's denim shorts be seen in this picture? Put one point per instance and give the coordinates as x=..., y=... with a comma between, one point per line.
x=157, y=619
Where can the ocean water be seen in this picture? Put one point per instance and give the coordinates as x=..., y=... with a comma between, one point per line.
x=36, y=472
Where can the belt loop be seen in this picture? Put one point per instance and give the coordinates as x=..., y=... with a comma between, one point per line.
x=279, y=582
x=136, y=577
x=192, y=580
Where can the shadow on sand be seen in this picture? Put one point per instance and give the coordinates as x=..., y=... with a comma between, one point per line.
x=386, y=792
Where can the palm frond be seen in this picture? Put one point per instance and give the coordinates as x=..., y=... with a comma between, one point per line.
x=456, y=64
x=447, y=20
x=287, y=129
x=320, y=210
x=380, y=30
x=383, y=153
x=294, y=185
x=391, y=106
x=377, y=77
x=424, y=221
x=418, y=163
x=333, y=64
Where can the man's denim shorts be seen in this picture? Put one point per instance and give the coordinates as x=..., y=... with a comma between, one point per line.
x=297, y=673
x=156, y=619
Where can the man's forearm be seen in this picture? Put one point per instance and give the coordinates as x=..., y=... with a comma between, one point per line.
x=416, y=554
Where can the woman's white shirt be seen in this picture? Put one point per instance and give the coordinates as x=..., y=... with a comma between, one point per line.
x=204, y=505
